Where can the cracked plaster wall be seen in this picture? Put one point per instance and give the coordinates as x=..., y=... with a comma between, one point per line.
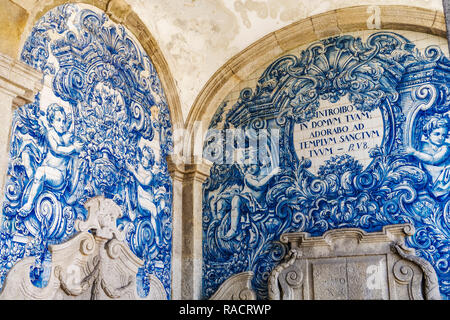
x=198, y=36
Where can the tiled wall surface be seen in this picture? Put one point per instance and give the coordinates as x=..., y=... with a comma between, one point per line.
x=99, y=126
x=383, y=160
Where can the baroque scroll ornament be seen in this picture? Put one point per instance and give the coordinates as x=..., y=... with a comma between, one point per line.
x=394, y=188
x=104, y=130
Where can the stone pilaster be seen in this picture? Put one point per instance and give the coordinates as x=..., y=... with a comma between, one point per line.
x=194, y=175
x=19, y=84
x=446, y=4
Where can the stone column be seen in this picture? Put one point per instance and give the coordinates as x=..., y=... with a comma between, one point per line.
x=176, y=170
x=19, y=84
x=446, y=4
x=194, y=176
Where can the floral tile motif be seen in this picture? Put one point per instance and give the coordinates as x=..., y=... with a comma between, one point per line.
x=382, y=103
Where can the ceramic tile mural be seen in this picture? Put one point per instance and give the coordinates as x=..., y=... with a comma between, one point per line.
x=100, y=126
x=351, y=131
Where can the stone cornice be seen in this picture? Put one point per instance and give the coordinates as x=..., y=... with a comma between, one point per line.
x=19, y=80
x=192, y=171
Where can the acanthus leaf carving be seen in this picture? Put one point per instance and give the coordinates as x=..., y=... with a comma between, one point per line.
x=431, y=283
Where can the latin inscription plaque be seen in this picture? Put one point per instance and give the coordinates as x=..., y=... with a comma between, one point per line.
x=338, y=129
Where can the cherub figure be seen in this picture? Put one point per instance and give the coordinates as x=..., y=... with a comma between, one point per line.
x=252, y=196
x=435, y=153
x=53, y=170
x=145, y=178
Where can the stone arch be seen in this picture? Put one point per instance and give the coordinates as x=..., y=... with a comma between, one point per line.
x=266, y=50
x=299, y=33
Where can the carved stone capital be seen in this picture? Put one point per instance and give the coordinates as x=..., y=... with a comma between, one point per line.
x=19, y=80
x=183, y=170
x=176, y=168
x=198, y=171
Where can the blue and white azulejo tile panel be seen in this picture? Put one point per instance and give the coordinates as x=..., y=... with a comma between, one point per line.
x=100, y=126
x=352, y=131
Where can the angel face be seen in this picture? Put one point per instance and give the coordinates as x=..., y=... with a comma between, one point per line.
x=253, y=169
x=57, y=118
x=59, y=123
x=148, y=158
x=438, y=136
x=436, y=130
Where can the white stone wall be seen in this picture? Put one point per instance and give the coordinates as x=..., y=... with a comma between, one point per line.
x=272, y=99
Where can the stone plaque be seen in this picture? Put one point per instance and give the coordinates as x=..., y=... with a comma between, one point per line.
x=338, y=129
x=333, y=279
x=350, y=278
x=367, y=278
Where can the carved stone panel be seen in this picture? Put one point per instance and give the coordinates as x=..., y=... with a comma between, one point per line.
x=350, y=264
x=96, y=264
x=237, y=287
